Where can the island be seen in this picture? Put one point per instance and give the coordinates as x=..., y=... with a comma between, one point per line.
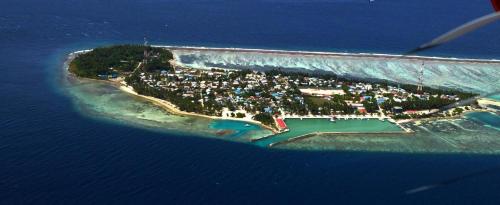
x=264, y=97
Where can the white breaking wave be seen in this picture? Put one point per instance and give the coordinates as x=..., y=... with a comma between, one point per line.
x=468, y=74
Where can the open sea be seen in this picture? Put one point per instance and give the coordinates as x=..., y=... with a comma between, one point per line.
x=53, y=152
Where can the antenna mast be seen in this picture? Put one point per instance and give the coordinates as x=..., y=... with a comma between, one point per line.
x=420, y=86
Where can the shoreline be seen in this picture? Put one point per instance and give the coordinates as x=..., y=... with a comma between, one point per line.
x=171, y=108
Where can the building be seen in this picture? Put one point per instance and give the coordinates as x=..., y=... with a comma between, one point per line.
x=397, y=110
x=281, y=124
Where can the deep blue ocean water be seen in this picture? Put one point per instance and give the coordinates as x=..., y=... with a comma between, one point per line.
x=51, y=154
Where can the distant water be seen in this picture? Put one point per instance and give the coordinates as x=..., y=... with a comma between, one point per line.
x=51, y=152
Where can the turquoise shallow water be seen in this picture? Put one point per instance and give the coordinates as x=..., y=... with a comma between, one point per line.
x=300, y=127
x=103, y=101
x=495, y=97
x=487, y=118
x=240, y=131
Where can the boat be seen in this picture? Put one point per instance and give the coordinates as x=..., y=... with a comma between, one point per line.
x=247, y=125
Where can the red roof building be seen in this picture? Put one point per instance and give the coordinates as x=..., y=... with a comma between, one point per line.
x=281, y=123
x=362, y=110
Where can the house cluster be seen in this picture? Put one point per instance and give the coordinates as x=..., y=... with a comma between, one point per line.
x=247, y=92
x=252, y=92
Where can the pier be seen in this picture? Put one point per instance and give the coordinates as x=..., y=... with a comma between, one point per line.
x=340, y=117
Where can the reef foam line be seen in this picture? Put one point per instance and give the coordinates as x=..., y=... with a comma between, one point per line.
x=331, y=54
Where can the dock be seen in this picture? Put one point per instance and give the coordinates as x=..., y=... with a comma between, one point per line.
x=339, y=117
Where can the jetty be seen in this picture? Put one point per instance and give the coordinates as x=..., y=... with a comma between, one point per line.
x=293, y=139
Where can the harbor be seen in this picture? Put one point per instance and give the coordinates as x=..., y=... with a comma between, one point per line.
x=303, y=127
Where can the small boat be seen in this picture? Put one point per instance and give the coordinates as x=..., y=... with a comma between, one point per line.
x=247, y=125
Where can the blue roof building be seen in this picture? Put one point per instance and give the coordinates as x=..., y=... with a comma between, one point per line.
x=380, y=100
x=268, y=110
x=237, y=91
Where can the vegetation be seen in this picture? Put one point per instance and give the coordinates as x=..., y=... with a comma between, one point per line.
x=122, y=58
x=318, y=105
x=418, y=104
x=264, y=118
x=458, y=111
x=371, y=105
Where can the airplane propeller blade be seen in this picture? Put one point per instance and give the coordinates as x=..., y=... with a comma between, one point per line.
x=459, y=31
x=496, y=5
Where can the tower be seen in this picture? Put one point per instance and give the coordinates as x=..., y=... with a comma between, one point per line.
x=202, y=99
x=420, y=86
x=146, y=53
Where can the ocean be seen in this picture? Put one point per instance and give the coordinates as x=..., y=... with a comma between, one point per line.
x=52, y=152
